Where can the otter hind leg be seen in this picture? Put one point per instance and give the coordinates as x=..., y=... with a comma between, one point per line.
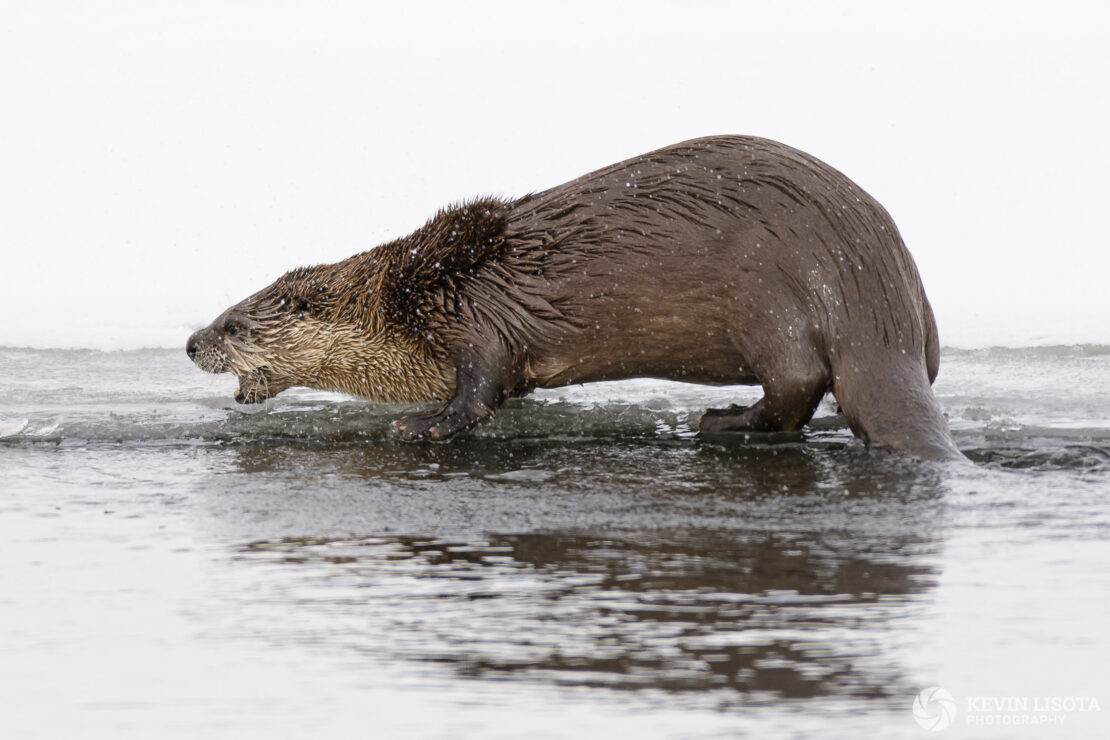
x=788, y=403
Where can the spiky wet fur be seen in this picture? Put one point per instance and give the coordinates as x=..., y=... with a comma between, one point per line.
x=365, y=325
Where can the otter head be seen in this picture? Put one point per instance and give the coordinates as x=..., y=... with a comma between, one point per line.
x=280, y=337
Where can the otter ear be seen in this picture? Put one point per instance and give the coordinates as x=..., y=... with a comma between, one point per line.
x=302, y=305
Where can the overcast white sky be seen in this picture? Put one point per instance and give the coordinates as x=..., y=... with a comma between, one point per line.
x=161, y=160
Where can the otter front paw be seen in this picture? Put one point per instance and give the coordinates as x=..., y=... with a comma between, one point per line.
x=440, y=423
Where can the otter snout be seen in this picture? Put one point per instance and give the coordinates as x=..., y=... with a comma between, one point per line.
x=205, y=351
x=192, y=346
x=199, y=348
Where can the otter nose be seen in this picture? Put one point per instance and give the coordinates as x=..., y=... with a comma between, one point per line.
x=191, y=347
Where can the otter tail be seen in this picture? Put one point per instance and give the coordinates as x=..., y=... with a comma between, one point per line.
x=893, y=406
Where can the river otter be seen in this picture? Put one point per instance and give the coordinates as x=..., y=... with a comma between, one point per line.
x=720, y=260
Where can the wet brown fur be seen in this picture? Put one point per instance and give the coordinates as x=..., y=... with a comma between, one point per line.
x=719, y=260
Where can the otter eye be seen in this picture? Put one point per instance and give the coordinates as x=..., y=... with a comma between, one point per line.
x=232, y=330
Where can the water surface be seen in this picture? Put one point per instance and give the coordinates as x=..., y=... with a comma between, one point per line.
x=583, y=565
